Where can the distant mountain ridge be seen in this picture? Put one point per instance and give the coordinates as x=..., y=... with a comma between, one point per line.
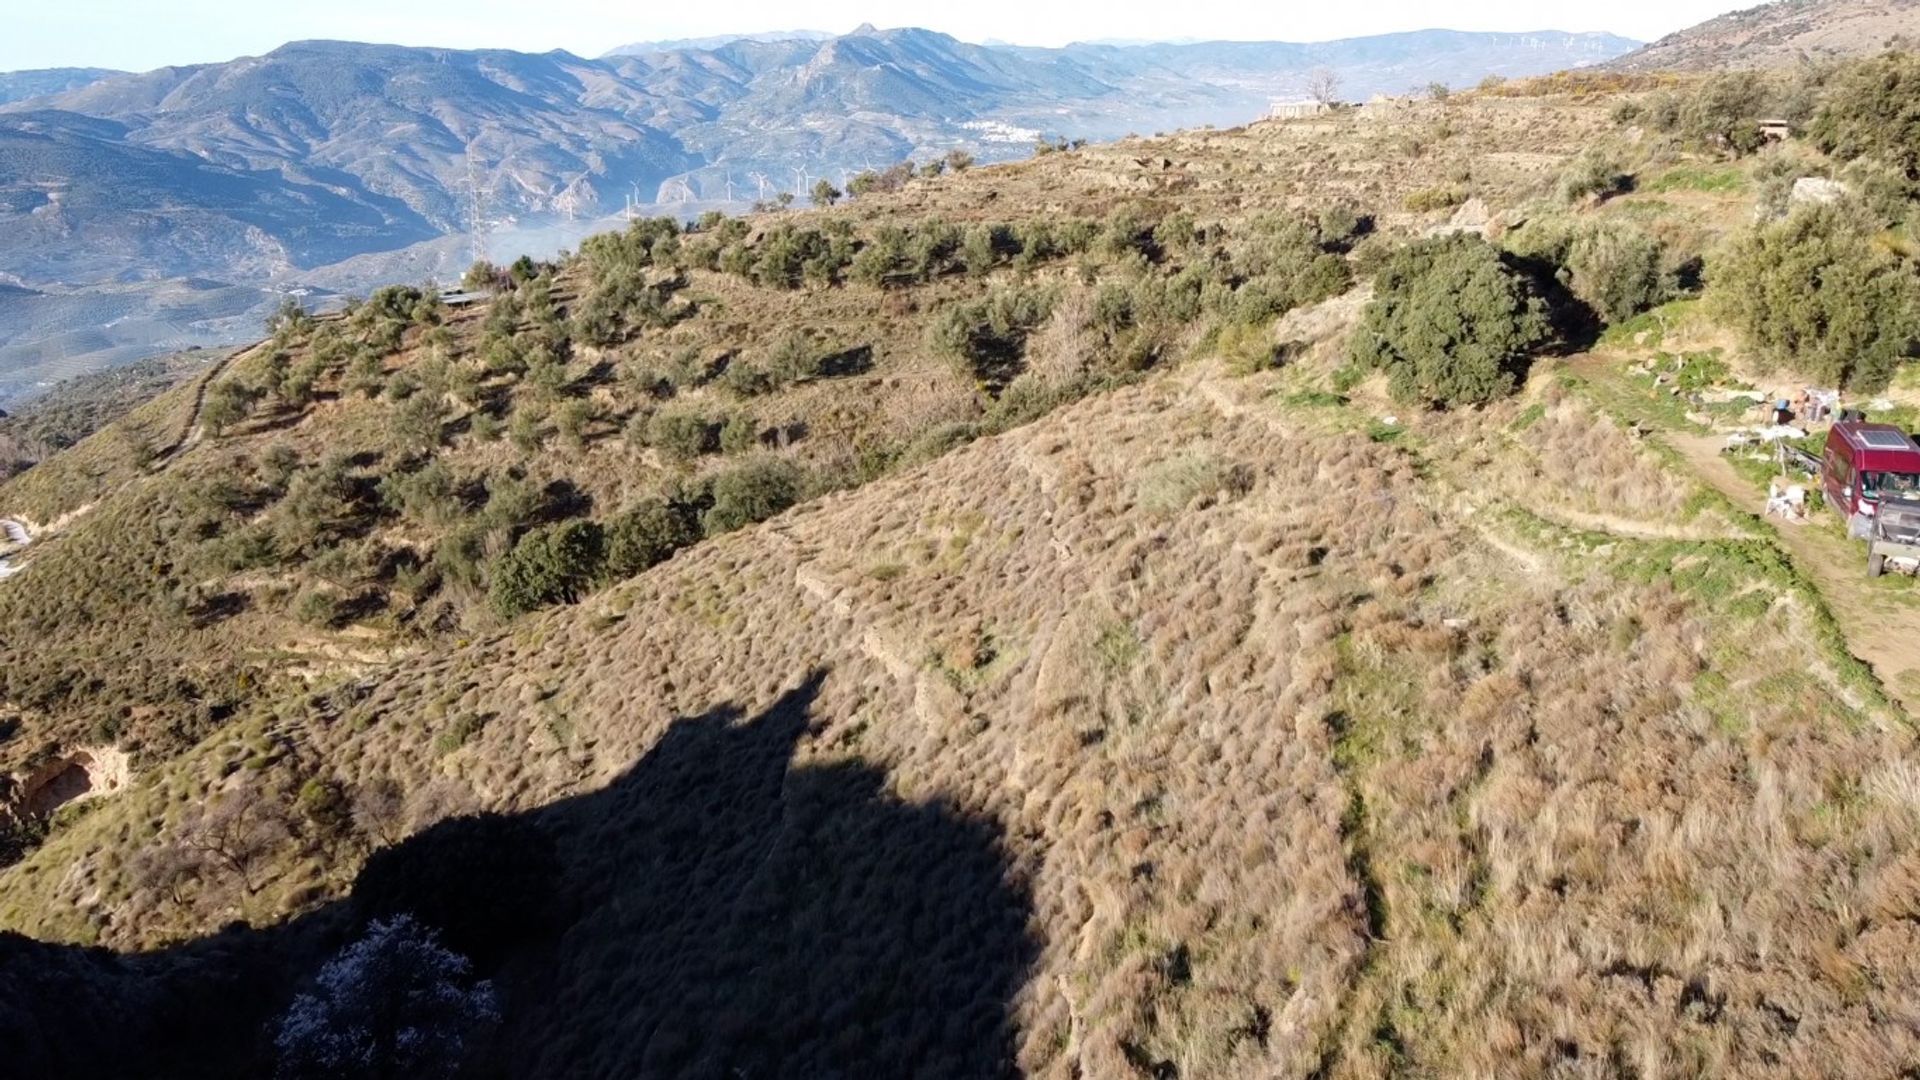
x=268, y=170
x=22, y=85
x=1779, y=35
x=647, y=48
x=409, y=132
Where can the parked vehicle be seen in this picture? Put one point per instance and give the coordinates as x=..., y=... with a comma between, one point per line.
x=1864, y=464
x=1895, y=540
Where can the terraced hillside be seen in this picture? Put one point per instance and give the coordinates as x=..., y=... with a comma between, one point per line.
x=1114, y=687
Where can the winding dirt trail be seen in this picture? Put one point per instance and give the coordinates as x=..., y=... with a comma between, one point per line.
x=1882, y=627
x=191, y=432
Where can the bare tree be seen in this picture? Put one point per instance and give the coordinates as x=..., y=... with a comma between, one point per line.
x=380, y=810
x=167, y=869
x=237, y=833
x=1324, y=84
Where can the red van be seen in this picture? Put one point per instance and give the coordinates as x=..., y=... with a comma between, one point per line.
x=1864, y=462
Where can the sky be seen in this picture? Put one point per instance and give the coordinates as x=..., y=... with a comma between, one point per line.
x=139, y=35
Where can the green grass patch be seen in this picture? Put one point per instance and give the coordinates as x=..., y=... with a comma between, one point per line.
x=1714, y=179
x=1532, y=415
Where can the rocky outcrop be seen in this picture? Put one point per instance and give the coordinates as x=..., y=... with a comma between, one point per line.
x=87, y=773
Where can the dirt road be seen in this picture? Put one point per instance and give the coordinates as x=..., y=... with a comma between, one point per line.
x=1880, y=619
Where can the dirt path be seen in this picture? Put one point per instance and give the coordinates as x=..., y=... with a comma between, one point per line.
x=1882, y=627
x=191, y=433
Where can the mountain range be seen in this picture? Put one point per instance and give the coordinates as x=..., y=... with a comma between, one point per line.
x=264, y=170
x=373, y=147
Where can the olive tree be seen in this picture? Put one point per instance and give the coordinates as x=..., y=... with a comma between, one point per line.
x=1820, y=291
x=1451, y=323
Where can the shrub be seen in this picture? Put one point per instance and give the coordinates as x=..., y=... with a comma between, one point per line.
x=394, y=1003
x=1616, y=270
x=552, y=565
x=988, y=337
x=1431, y=199
x=740, y=433
x=1611, y=266
x=682, y=433
x=1724, y=113
x=1872, y=109
x=325, y=807
x=227, y=403
x=1451, y=323
x=646, y=535
x=1820, y=291
x=752, y=492
x=1592, y=174
x=430, y=495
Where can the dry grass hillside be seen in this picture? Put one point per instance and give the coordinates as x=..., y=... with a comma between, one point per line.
x=1781, y=34
x=181, y=572
x=1132, y=690
x=1304, y=763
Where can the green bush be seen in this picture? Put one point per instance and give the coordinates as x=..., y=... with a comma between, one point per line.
x=1616, y=270
x=752, y=492
x=1872, y=109
x=1724, y=113
x=1613, y=267
x=556, y=564
x=227, y=403
x=682, y=433
x=740, y=433
x=1451, y=323
x=988, y=337
x=1592, y=174
x=645, y=536
x=1819, y=290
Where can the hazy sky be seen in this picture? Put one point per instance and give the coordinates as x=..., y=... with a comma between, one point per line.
x=143, y=34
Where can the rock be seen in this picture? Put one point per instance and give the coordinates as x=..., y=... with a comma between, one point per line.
x=1473, y=216
x=1817, y=191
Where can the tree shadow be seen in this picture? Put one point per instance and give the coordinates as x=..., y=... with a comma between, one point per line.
x=847, y=362
x=714, y=912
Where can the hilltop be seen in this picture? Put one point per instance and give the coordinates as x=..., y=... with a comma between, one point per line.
x=1781, y=34
x=1039, y=641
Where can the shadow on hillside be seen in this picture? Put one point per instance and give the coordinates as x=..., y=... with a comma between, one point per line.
x=715, y=912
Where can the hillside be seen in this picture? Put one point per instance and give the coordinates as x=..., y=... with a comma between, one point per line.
x=1780, y=35
x=1038, y=643
x=76, y=408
